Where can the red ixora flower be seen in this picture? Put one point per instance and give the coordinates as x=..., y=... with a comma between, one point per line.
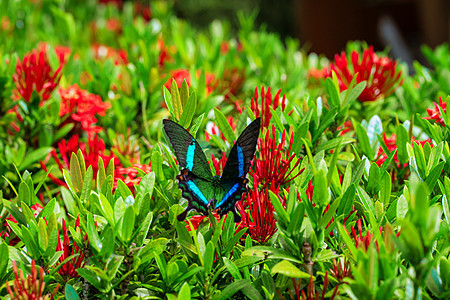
x=34, y=73
x=381, y=73
x=68, y=270
x=273, y=162
x=80, y=107
x=435, y=113
x=30, y=288
x=267, y=101
x=257, y=212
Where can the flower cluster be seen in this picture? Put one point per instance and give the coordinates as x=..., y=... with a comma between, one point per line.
x=80, y=108
x=381, y=73
x=32, y=287
x=274, y=161
x=34, y=73
x=68, y=270
x=261, y=104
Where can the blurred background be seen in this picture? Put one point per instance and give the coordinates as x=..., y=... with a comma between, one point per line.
x=325, y=26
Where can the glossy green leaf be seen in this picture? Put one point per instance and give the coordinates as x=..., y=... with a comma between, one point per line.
x=288, y=269
x=224, y=126
x=70, y=293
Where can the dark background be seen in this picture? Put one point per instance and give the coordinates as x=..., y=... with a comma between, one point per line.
x=325, y=26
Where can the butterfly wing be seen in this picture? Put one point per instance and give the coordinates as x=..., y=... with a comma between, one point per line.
x=197, y=191
x=187, y=150
x=233, y=182
x=195, y=178
x=242, y=153
x=227, y=194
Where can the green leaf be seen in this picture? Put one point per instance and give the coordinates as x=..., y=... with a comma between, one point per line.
x=233, y=288
x=168, y=100
x=402, y=140
x=128, y=223
x=373, y=183
x=189, y=110
x=101, y=174
x=385, y=188
x=196, y=125
x=354, y=93
x=87, y=185
x=326, y=218
x=288, y=269
x=33, y=157
x=24, y=194
x=363, y=139
x=106, y=209
x=366, y=201
x=281, y=212
x=321, y=195
x=75, y=173
x=232, y=268
x=420, y=161
x=333, y=93
x=185, y=292
x=346, y=202
x=70, y=293
x=224, y=126
x=434, y=175
x=176, y=100
x=82, y=163
x=184, y=93
x=4, y=254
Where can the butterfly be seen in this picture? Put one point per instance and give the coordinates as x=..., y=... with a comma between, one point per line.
x=196, y=181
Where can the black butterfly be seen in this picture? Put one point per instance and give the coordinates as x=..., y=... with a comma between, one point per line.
x=196, y=181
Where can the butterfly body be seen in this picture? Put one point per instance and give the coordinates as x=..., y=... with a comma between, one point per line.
x=203, y=190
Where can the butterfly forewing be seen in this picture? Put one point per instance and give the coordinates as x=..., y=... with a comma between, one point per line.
x=187, y=150
x=242, y=153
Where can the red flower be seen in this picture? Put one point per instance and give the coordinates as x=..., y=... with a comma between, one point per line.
x=219, y=164
x=80, y=107
x=181, y=74
x=164, y=53
x=120, y=57
x=34, y=73
x=267, y=101
x=143, y=10
x=435, y=113
x=32, y=288
x=257, y=212
x=380, y=73
x=273, y=164
x=130, y=175
x=68, y=270
x=62, y=52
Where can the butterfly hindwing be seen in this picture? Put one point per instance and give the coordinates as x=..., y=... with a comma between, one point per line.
x=228, y=194
x=197, y=191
